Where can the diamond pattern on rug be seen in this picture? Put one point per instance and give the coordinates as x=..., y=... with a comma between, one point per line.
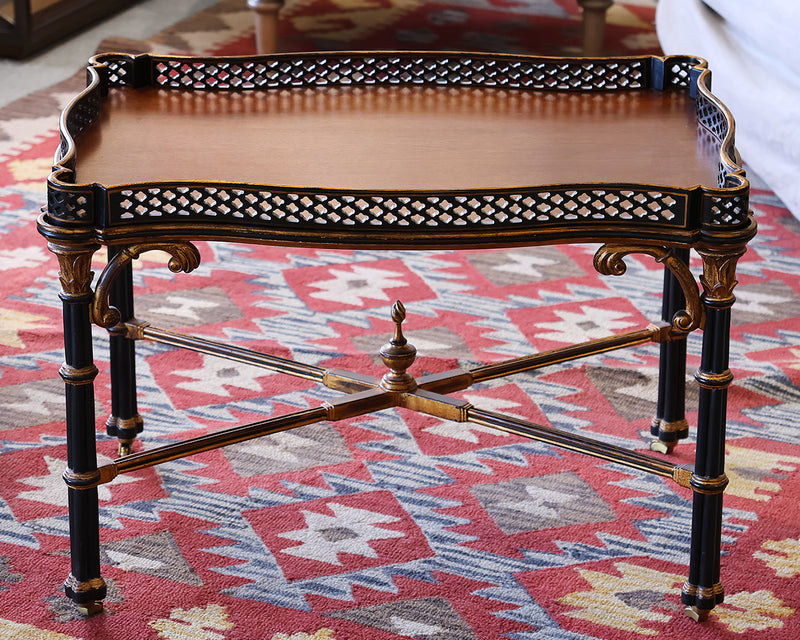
x=155, y=554
x=347, y=534
x=629, y=601
x=436, y=342
x=752, y=611
x=426, y=618
x=631, y=391
x=347, y=531
x=782, y=556
x=48, y=488
x=757, y=475
x=519, y=266
x=580, y=323
x=6, y=575
x=315, y=445
x=180, y=309
x=215, y=376
x=542, y=502
x=772, y=301
x=13, y=324
x=33, y=403
x=198, y=623
x=356, y=285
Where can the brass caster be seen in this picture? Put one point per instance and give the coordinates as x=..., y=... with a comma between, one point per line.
x=89, y=609
x=125, y=449
x=698, y=615
x=662, y=447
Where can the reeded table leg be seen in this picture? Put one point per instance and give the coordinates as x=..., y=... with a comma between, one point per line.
x=703, y=590
x=84, y=585
x=124, y=422
x=669, y=424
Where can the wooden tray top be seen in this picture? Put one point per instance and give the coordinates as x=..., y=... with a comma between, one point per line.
x=357, y=148
x=397, y=138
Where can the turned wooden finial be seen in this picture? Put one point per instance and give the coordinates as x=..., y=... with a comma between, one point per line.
x=398, y=355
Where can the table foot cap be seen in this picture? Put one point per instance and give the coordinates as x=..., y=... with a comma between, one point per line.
x=662, y=447
x=125, y=448
x=90, y=609
x=698, y=615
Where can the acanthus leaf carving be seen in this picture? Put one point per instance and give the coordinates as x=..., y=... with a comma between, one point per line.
x=719, y=275
x=610, y=260
x=184, y=257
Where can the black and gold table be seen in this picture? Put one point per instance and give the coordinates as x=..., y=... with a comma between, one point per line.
x=409, y=151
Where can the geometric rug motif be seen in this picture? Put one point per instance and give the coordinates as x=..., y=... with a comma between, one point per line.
x=315, y=445
x=155, y=554
x=321, y=538
x=182, y=309
x=771, y=302
x=6, y=575
x=637, y=595
x=519, y=267
x=424, y=618
x=542, y=502
x=631, y=391
x=435, y=342
x=33, y=403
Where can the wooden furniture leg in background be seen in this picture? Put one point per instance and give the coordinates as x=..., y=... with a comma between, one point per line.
x=266, y=17
x=594, y=24
x=266, y=21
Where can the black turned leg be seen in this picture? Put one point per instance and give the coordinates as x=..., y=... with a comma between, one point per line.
x=124, y=422
x=669, y=424
x=703, y=589
x=84, y=585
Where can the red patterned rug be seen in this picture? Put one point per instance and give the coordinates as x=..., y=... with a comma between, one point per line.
x=396, y=525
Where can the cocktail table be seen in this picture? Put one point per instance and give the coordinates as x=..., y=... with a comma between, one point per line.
x=412, y=150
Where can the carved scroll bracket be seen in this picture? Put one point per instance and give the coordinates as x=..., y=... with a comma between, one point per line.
x=185, y=257
x=610, y=260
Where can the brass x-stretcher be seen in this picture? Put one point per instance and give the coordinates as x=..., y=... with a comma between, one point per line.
x=398, y=388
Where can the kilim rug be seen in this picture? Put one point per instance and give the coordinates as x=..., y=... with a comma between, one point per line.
x=395, y=525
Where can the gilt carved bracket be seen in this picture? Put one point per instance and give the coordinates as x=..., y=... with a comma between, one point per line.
x=184, y=257
x=610, y=260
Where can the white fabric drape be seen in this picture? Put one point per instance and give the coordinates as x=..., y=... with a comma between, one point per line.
x=751, y=48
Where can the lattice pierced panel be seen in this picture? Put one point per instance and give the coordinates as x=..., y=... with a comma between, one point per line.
x=679, y=72
x=710, y=144
x=83, y=112
x=70, y=206
x=276, y=208
x=329, y=70
x=725, y=210
x=715, y=126
x=710, y=116
x=119, y=69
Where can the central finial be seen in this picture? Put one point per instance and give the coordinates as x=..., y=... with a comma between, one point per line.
x=398, y=355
